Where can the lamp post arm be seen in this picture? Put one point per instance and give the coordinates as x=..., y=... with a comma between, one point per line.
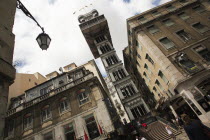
x=27, y=13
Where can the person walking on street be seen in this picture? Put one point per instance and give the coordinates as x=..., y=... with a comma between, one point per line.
x=169, y=131
x=195, y=129
x=142, y=138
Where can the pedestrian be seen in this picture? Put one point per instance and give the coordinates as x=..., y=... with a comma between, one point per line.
x=137, y=138
x=144, y=125
x=195, y=129
x=142, y=138
x=169, y=131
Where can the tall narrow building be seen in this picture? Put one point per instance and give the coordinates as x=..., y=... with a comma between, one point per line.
x=96, y=32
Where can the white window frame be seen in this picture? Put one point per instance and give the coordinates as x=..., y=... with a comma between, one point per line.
x=85, y=99
x=66, y=106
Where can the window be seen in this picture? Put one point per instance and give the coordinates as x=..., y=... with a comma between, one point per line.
x=105, y=48
x=111, y=60
x=148, y=69
x=154, y=88
x=138, y=111
x=139, y=56
x=46, y=113
x=92, y=127
x=119, y=74
x=149, y=59
x=48, y=136
x=200, y=27
x=203, y=52
x=28, y=121
x=137, y=43
x=159, y=85
x=162, y=76
x=156, y=13
x=61, y=82
x=153, y=29
x=11, y=126
x=69, y=132
x=183, y=16
x=170, y=7
x=142, y=19
x=168, y=22
x=146, y=76
x=127, y=90
x=186, y=63
x=168, y=44
x=198, y=9
x=79, y=74
x=64, y=104
x=183, y=35
x=100, y=39
x=138, y=63
x=46, y=90
x=83, y=96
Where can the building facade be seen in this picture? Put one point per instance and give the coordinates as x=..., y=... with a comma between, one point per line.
x=23, y=82
x=66, y=106
x=116, y=100
x=169, y=46
x=96, y=32
x=7, y=40
x=131, y=68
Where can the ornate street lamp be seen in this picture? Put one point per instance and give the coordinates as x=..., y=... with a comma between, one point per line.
x=43, y=39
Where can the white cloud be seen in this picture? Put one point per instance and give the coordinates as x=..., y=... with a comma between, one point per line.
x=68, y=44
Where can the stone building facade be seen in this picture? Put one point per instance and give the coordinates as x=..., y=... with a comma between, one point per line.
x=23, y=82
x=169, y=46
x=66, y=106
x=7, y=40
x=96, y=32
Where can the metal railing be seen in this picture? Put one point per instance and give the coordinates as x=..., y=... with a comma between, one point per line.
x=92, y=22
x=51, y=93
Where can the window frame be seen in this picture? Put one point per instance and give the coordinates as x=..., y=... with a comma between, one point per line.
x=70, y=131
x=87, y=98
x=168, y=19
x=29, y=126
x=51, y=131
x=197, y=52
x=152, y=33
x=50, y=113
x=66, y=109
x=199, y=11
x=186, y=33
x=183, y=13
x=164, y=45
x=163, y=77
x=198, y=30
x=157, y=13
x=170, y=5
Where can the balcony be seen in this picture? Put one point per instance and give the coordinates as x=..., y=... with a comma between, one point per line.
x=92, y=22
x=50, y=94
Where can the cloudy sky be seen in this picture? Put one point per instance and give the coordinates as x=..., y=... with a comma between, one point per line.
x=68, y=44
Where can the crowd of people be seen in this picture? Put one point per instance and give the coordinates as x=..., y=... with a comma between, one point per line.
x=194, y=129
